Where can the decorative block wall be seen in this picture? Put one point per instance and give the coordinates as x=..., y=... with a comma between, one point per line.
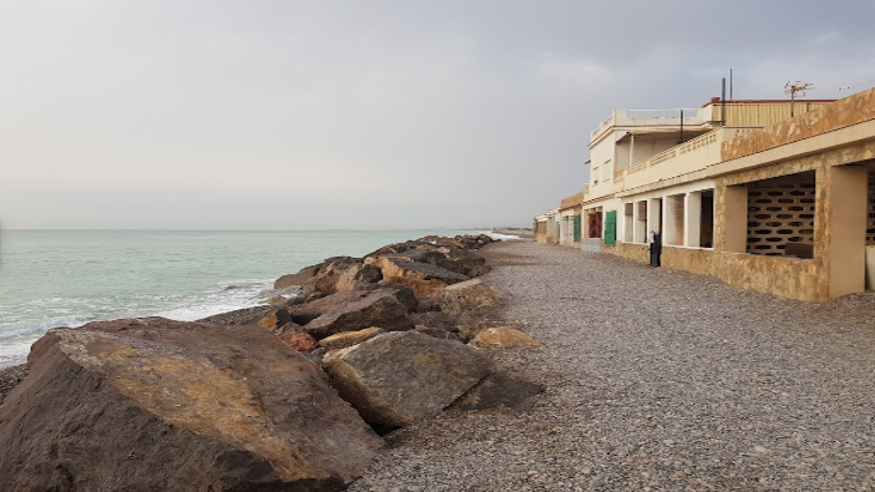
x=780, y=211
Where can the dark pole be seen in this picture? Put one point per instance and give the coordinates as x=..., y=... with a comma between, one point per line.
x=682, y=127
x=730, y=85
x=723, y=103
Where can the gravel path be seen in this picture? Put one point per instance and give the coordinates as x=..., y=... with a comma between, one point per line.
x=658, y=380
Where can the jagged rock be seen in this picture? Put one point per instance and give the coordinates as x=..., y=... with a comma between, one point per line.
x=498, y=390
x=300, y=342
x=355, y=310
x=342, y=274
x=471, y=265
x=245, y=316
x=299, y=278
x=471, y=295
x=437, y=324
x=155, y=404
x=288, y=329
x=349, y=338
x=10, y=377
x=275, y=319
x=424, y=279
x=503, y=337
x=396, y=378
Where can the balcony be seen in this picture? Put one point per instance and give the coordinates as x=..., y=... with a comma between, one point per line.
x=688, y=157
x=652, y=118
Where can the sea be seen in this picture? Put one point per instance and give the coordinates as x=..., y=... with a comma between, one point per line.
x=54, y=278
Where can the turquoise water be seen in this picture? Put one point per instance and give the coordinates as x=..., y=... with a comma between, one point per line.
x=68, y=278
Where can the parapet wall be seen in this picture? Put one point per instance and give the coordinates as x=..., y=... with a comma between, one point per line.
x=840, y=114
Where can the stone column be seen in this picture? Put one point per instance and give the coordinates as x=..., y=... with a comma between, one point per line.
x=845, y=234
x=731, y=224
x=693, y=219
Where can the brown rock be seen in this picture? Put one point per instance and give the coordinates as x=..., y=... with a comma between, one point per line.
x=503, y=337
x=396, y=378
x=337, y=275
x=471, y=295
x=437, y=324
x=300, y=342
x=275, y=319
x=354, y=310
x=245, y=316
x=499, y=390
x=349, y=338
x=299, y=278
x=426, y=280
x=155, y=404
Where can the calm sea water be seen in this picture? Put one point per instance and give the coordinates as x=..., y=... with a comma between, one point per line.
x=68, y=278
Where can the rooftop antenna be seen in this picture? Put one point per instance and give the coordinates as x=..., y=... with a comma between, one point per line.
x=796, y=87
x=846, y=87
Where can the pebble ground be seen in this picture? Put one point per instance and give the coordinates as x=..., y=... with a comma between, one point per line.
x=656, y=380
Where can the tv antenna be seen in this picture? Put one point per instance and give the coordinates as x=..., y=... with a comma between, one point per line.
x=796, y=87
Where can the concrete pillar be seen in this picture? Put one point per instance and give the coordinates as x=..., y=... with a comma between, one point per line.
x=640, y=211
x=732, y=223
x=693, y=219
x=846, y=229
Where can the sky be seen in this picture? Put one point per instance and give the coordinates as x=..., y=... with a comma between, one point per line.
x=366, y=114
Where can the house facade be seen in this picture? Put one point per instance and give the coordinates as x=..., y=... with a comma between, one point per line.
x=742, y=191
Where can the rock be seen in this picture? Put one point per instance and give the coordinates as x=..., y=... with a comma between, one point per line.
x=10, y=377
x=498, y=390
x=464, y=297
x=275, y=319
x=340, y=275
x=437, y=324
x=155, y=404
x=349, y=338
x=396, y=378
x=354, y=310
x=470, y=265
x=503, y=337
x=299, y=278
x=245, y=316
x=300, y=342
x=424, y=279
x=289, y=328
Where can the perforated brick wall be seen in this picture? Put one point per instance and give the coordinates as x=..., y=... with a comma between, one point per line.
x=780, y=211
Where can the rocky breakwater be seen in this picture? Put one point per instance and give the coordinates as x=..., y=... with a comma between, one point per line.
x=291, y=397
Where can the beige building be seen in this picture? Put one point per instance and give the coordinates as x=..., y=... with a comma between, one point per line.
x=757, y=198
x=546, y=227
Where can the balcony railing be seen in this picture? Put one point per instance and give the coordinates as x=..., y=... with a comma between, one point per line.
x=651, y=118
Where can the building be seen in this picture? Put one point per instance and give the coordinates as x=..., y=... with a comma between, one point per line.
x=776, y=196
x=546, y=227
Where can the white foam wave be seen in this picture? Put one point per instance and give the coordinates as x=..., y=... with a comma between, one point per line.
x=40, y=327
x=500, y=237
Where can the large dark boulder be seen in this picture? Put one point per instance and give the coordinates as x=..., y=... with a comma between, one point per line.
x=383, y=307
x=394, y=379
x=425, y=279
x=299, y=278
x=340, y=274
x=153, y=404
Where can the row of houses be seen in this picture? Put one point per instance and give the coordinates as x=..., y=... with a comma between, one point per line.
x=772, y=195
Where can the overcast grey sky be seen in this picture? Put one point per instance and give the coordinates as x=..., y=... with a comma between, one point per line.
x=258, y=114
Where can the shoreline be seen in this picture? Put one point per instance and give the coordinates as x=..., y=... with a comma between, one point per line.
x=50, y=306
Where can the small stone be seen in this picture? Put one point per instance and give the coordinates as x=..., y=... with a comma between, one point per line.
x=760, y=449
